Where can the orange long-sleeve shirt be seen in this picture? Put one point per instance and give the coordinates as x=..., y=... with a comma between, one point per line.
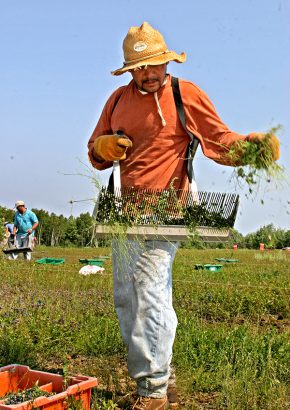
x=157, y=157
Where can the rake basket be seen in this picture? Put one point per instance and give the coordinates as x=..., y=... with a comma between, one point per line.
x=165, y=214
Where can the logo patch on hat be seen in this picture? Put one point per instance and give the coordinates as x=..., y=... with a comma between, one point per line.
x=140, y=46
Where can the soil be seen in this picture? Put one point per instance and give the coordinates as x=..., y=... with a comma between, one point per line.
x=115, y=383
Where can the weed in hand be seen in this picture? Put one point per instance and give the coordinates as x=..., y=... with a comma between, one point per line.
x=256, y=164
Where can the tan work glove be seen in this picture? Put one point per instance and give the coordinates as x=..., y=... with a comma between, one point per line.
x=112, y=147
x=273, y=143
x=240, y=153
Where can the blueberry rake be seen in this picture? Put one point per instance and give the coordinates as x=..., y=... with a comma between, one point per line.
x=165, y=214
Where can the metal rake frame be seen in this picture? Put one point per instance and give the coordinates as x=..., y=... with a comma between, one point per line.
x=165, y=214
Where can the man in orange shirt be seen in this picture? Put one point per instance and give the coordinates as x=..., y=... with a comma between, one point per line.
x=153, y=151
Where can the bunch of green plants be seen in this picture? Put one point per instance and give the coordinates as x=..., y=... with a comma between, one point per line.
x=198, y=215
x=137, y=207
x=255, y=161
x=25, y=395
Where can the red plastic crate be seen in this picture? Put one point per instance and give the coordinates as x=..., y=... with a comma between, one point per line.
x=16, y=377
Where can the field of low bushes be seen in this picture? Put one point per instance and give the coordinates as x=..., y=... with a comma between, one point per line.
x=232, y=346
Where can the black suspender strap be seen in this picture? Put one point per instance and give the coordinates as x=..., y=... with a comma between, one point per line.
x=192, y=146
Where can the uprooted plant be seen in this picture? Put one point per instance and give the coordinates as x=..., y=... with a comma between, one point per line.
x=255, y=161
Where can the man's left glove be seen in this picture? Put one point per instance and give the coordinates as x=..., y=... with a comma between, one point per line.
x=268, y=150
x=273, y=143
x=112, y=147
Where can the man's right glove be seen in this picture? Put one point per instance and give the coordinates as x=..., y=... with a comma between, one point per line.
x=111, y=147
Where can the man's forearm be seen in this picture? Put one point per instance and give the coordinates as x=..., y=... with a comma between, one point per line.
x=34, y=226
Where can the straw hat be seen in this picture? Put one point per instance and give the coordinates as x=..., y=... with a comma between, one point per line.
x=146, y=46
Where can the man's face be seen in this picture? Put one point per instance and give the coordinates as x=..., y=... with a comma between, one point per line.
x=149, y=78
x=21, y=209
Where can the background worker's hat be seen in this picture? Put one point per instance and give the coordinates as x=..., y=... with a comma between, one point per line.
x=146, y=46
x=19, y=203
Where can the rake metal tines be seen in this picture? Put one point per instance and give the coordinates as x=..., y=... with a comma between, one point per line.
x=135, y=206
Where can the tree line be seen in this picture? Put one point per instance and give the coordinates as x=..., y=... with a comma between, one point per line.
x=58, y=230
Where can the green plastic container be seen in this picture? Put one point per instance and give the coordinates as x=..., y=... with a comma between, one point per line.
x=212, y=268
x=208, y=266
x=95, y=262
x=51, y=261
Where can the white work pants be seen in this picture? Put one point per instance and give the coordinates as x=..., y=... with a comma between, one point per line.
x=143, y=302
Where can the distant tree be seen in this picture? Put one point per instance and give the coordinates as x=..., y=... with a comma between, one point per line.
x=58, y=231
x=286, y=239
x=280, y=238
x=250, y=241
x=266, y=235
x=72, y=235
x=2, y=231
x=85, y=225
x=236, y=238
x=6, y=214
x=43, y=218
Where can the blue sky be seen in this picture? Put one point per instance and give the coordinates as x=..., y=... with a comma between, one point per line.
x=56, y=58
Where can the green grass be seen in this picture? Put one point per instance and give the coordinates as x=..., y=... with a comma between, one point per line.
x=232, y=344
